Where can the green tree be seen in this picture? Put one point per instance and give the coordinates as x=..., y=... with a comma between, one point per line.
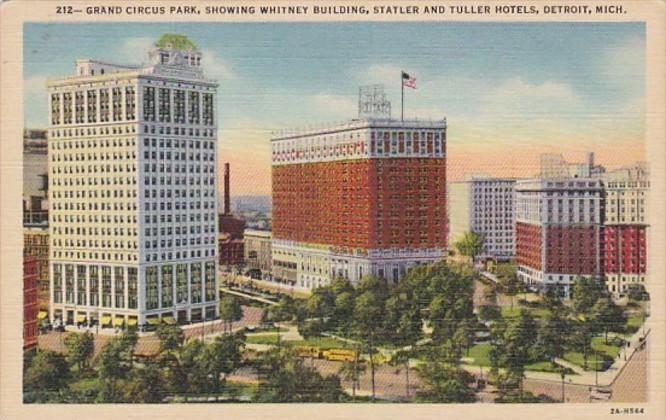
x=47, y=372
x=451, y=291
x=511, y=351
x=369, y=315
x=230, y=311
x=637, y=293
x=470, y=245
x=586, y=292
x=285, y=378
x=404, y=327
x=226, y=354
x=171, y=337
x=442, y=378
x=551, y=336
x=112, y=367
x=130, y=338
x=145, y=385
x=511, y=286
x=80, y=349
x=608, y=316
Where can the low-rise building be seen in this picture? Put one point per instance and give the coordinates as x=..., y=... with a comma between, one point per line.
x=257, y=251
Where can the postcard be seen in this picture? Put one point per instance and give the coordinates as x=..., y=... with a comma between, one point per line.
x=359, y=209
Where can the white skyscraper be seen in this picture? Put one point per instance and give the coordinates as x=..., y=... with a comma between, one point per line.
x=132, y=163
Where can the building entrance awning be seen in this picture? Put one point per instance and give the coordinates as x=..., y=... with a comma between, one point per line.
x=42, y=315
x=80, y=318
x=106, y=320
x=118, y=322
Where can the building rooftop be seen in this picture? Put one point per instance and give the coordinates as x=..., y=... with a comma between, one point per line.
x=354, y=124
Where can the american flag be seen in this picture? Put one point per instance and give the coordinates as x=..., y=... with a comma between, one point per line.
x=408, y=81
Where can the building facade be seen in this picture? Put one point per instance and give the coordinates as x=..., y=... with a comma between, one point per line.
x=258, y=254
x=484, y=205
x=559, y=231
x=132, y=170
x=30, y=306
x=626, y=226
x=367, y=197
x=36, y=246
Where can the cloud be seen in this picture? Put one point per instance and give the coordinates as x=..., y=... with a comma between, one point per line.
x=135, y=50
x=516, y=98
x=215, y=68
x=35, y=88
x=334, y=106
x=624, y=62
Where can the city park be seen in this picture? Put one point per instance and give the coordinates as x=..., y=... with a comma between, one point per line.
x=448, y=332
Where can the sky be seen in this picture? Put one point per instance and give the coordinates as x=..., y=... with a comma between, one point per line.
x=509, y=91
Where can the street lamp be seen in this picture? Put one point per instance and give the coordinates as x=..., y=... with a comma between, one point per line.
x=596, y=369
x=562, y=374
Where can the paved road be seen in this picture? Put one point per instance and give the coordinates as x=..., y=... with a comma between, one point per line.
x=631, y=383
x=149, y=344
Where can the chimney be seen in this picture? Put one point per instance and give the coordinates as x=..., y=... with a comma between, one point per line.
x=227, y=199
x=590, y=159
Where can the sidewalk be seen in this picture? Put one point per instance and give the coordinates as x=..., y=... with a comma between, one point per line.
x=590, y=377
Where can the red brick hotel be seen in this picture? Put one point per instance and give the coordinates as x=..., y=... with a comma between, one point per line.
x=363, y=197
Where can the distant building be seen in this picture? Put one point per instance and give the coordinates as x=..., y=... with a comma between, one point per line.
x=626, y=227
x=553, y=166
x=484, y=205
x=35, y=209
x=132, y=184
x=30, y=306
x=365, y=197
x=258, y=251
x=230, y=228
x=36, y=246
x=558, y=231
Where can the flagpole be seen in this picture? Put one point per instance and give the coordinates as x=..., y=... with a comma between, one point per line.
x=402, y=96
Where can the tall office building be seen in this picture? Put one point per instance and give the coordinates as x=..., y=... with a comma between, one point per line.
x=558, y=231
x=484, y=205
x=625, y=230
x=366, y=197
x=132, y=165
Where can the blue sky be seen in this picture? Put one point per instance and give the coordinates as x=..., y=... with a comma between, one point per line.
x=526, y=86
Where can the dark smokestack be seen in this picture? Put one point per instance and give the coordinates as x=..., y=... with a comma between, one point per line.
x=227, y=195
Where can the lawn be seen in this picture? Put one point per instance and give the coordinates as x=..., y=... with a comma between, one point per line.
x=603, y=361
x=507, y=312
x=634, y=322
x=611, y=349
x=480, y=354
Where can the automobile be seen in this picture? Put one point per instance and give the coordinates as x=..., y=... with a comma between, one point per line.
x=250, y=328
x=604, y=394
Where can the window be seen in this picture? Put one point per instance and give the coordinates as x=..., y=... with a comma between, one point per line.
x=193, y=108
x=195, y=279
x=55, y=109
x=104, y=105
x=151, y=288
x=94, y=286
x=130, y=103
x=119, y=280
x=149, y=103
x=106, y=286
x=179, y=106
x=78, y=106
x=208, y=109
x=165, y=105
x=211, y=293
x=116, y=100
x=181, y=283
x=167, y=286
x=57, y=283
